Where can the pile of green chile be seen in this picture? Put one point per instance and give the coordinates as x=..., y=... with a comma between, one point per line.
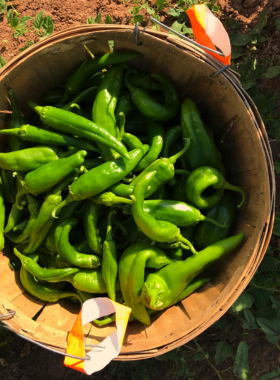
x=114, y=188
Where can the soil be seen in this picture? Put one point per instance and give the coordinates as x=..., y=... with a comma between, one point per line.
x=24, y=361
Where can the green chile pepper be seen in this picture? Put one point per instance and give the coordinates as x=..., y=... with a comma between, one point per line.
x=67, y=212
x=27, y=160
x=202, y=178
x=44, y=221
x=109, y=260
x=86, y=95
x=83, y=246
x=195, y=284
x=132, y=271
x=104, y=105
x=102, y=177
x=15, y=121
x=34, y=208
x=172, y=134
x=143, y=81
x=202, y=149
x=92, y=215
x=41, y=179
x=41, y=273
x=76, y=125
x=9, y=185
x=224, y=212
x=78, y=78
x=162, y=287
x=156, y=138
x=157, y=230
x=109, y=199
x=131, y=141
x=42, y=136
x=43, y=291
x=124, y=105
x=68, y=252
x=149, y=106
x=122, y=189
x=21, y=226
x=14, y=218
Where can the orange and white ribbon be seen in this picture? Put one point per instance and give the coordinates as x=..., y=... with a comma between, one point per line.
x=209, y=31
x=110, y=347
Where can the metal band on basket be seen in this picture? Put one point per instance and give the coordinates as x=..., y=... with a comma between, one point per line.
x=136, y=32
x=87, y=357
x=194, y=43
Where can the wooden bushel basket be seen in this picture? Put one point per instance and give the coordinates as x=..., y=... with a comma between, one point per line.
x=246, y=155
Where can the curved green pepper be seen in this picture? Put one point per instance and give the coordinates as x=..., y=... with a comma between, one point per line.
x=104, y=105
x=172, y=134
x=9, y=185
x=109, y=199
x=109, y=260
x=156, y=138
x=157, y=230
x=124, y=105
x=91, y=217
x=149, y=106
x=76, y=125
x=202, y=149
x=162, y=287
x=68, y=252
x=102, y=177
x=202, y=178
x=132, y=271
x=14, y=218
x=78, y=78
x=224, y=212
x=27, y=160
x=41, y=179
x=42, y=136
x=131, y=141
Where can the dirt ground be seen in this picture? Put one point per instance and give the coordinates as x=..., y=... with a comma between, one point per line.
x=24, y=361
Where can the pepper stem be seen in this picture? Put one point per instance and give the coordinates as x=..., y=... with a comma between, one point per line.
x=62, y=204
x=121, y=126
x=187, y=242
x=38, y=109
x=13, y=131
x=228, y=186
x=15, y=111
x=19, y=195
x=174, y=158
x=206, y=219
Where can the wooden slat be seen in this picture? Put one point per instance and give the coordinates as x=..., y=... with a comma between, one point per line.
x=28, y=304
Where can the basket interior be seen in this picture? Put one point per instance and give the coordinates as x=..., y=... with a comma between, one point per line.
x=243, y=156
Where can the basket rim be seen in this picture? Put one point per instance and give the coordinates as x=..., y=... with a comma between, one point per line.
x=232, y=77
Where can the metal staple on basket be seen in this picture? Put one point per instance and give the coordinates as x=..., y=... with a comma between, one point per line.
x=87, y=357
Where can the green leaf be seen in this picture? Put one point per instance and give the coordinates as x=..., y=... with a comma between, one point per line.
x=277, y=24
x=155, y=25
x=223, y=351
x=160, y=4
x=177, y=26
x=271, y=328
x=108, y=20
x=272, y=71
x=175, y=12
x=250, y=322
x=24, y=19
x=238, y=39
x=38, y=21
x=90, y=20
x=269, y=263
x=27, y=45
x=221, y=323
x=236, y=52
x=244, y=301
x=261, y=23
x=186, y=30
x=10, y=15
x=261, y=39
x=3, y=6
x=241, y=367
x=274, y=375
x=48, y=26
x=98, y=18
x=138, y=18
x=14, y=22
x=2, y=61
